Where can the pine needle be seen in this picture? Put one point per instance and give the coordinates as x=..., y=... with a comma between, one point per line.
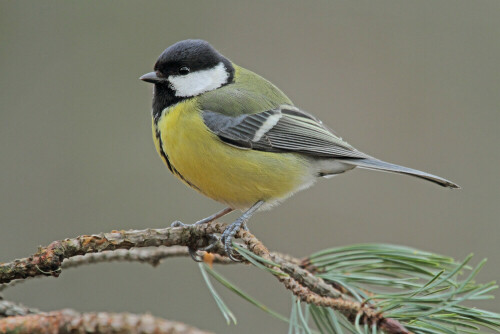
x=243, y=294
x=226, y=312
x=425, y=292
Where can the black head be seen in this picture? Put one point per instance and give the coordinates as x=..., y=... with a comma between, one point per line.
x=186, y=69
x=193, y=54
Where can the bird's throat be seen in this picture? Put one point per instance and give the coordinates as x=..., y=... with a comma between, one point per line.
x=163, y=98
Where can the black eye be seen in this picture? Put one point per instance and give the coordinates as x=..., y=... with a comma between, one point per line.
x=184, y=70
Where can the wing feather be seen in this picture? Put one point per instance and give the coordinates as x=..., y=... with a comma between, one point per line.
x=284, y=129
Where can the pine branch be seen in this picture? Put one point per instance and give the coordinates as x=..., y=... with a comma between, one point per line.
x=68, y=321
x=148, y=255
x=47, y=261
x=312, y=293
x=425, y=291
x=332, y=283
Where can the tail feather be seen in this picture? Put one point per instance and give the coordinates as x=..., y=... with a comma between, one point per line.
x=380, y=165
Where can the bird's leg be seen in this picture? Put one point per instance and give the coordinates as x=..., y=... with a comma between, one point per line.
x=209, y=219
x=214, y=239
x=215, y=216
x=231, y=230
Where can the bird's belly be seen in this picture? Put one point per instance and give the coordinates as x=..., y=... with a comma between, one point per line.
x=233, y=176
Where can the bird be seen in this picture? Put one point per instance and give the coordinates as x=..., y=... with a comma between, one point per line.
x=233, y=136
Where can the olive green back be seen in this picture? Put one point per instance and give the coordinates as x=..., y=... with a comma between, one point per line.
x=249, y=94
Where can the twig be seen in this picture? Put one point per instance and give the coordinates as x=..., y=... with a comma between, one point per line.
x=152, y=256
x=47, y=261
x=9, y=309
x=309, y=288
x=148, y=255
x=68, y=321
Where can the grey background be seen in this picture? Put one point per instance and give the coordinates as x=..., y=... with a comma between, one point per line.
x=415, y=83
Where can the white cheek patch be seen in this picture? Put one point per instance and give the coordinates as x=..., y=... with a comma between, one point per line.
x=199, y=82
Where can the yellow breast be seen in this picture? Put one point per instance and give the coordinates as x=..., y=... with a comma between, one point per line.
x=236, y=177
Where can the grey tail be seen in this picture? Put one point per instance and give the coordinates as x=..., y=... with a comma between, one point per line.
x=380, y=165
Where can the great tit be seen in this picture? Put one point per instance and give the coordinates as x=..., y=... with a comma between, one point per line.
x=236, y=138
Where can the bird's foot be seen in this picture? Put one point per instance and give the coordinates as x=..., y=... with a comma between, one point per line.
x=194, y=252
x=228, y=235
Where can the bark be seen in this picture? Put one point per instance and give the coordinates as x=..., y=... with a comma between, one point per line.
x=292, y=273
x=68, y=321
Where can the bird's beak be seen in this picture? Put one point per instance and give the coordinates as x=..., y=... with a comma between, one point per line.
x=150, y=77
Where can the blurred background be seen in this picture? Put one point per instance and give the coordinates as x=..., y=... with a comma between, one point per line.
x=414, y=83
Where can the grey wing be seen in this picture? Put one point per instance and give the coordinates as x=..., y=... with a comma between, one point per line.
x=288, y=129
x=284, y=129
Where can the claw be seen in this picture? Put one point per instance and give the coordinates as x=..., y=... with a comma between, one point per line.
x=193, y=252
x=178, y=223
x=230, y=252
x=194, y=255
x=227, y=238
x=214, y=240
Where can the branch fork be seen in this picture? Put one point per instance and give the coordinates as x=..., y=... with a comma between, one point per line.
x=293, y=273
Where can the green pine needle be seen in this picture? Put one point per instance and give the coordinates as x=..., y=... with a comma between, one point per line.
x=226, y=312
x=299, y=319
x=426, y=292
x=423, y=291
x=257, y=260
x=226, y=283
